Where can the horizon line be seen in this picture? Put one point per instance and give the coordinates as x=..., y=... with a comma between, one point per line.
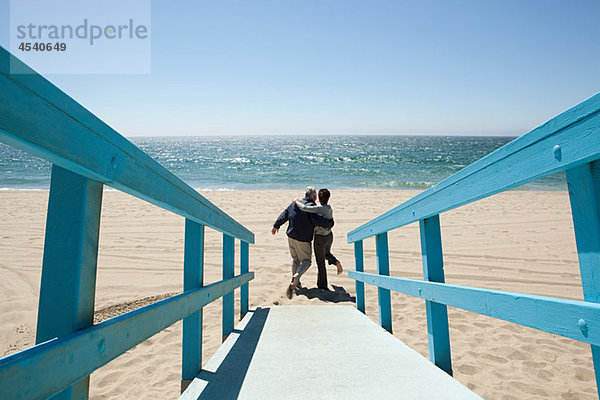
x=323, y=134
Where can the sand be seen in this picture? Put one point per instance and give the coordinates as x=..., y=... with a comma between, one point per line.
x=520, y=241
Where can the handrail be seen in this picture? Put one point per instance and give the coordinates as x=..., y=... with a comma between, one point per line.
x=563, y=142
x=31, y=106
x=37, y=117
x=569, y=142
x=42, y=365
x=548, y=314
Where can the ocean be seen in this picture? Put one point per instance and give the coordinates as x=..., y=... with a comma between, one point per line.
x=293, y=162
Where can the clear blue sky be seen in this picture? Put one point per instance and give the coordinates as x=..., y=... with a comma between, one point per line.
x=351, y=67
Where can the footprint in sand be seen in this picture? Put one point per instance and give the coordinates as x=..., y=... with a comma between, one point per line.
x=584, y=374
x=467, y=369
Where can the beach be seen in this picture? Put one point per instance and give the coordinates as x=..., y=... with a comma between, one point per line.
x=520, y=241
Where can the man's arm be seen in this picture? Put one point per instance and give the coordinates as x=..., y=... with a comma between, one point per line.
x=319, y=220
x=282, y=219
x=310, y=209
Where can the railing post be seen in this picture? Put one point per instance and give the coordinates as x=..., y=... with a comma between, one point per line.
x=68, y=285
x=193, y=278
x=383, y=268
x=359, y=265
x=437, y=314
x=244, y=267
x=584, y=192
x=228, y=272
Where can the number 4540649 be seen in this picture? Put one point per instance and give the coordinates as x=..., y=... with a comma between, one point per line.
x=42, y=46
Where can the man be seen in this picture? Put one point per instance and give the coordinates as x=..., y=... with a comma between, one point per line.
x=300, y=231
x=323, y=238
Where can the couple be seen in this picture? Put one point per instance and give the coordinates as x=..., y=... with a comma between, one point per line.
x=307, y=220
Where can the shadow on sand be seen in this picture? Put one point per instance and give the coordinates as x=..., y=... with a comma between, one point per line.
x=337, y=295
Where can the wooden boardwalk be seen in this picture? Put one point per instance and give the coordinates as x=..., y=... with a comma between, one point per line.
x=319, y=352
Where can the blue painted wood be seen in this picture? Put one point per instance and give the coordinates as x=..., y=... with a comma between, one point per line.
x=525, y=159
x=437, y=314
x=68, y=285
x=193, y=278
x=228, y=272
x=359, y=265
x=584, y=192
x=383, y=294
x=51, y=366
x=577, y=320
x=244, y=267
x=39, y=118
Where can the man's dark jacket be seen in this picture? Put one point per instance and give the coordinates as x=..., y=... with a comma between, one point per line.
x=301, y=224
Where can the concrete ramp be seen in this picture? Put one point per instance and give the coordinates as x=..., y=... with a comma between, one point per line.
x=319, y=352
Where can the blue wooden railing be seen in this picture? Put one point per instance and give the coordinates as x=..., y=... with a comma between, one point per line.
x=569, y=142
x=87, y=154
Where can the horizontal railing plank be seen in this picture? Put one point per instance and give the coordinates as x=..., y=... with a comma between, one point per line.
x=577, y=320
x=39, y=118
x=49, y=367
x=530, y=157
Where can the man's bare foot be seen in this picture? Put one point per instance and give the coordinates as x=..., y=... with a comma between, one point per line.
x=292, y=287
x=339, y=267
x=295, y=283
